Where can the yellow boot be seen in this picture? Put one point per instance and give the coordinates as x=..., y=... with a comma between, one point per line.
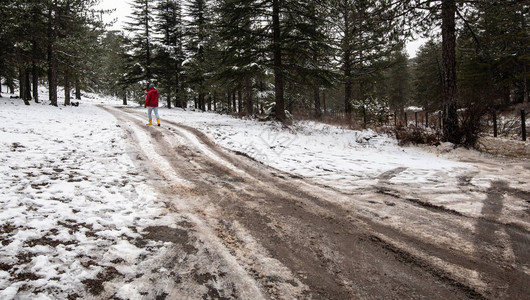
x=150, y=123
x=158, y=122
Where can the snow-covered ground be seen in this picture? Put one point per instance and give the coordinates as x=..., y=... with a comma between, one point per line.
x=327, y=154
x=72, y=201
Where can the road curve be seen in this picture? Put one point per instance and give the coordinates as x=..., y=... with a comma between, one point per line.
x=284, y=237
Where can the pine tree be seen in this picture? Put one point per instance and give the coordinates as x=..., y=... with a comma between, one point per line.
x=169, y=50
x=427, y=70
x=243, y=59
x=399, y=82
x=141, y=28
x=370, y=31
x=494, y=53
x=198, y=30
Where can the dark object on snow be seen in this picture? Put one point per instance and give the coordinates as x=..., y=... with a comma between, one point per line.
x=14, y=97
x=74, y=103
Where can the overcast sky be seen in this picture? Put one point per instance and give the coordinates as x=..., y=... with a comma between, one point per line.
x=123, y=9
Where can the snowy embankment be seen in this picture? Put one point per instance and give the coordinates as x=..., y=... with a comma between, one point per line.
x=71, y=201
x=327, y=154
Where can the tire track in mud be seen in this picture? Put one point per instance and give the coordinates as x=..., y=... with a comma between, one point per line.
x=332, y=250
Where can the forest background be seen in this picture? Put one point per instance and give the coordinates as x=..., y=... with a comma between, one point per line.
x=342, y=59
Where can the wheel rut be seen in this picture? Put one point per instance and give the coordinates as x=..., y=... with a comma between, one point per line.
x=331, y=248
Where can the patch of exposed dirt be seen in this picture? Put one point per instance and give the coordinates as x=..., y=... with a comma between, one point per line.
x=95, y=286
x=384, y=242
x=173, y=235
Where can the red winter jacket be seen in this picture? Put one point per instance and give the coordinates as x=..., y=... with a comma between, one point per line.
x=152, y=98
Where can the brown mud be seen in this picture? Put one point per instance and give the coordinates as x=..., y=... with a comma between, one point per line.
x=383, y=242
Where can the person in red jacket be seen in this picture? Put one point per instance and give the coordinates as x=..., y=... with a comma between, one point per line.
x=151, y=102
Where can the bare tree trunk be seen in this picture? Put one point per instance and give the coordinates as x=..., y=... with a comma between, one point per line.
x=10, y=84
x=215, y=101
x=124, y=96
x=239, y=101
x=347, y=64
x=248, y=96
x=277, y=57
x=324, y=102
x=27, y=85
x=35, y=75
x=168, y=99
x=234, y=100
x=201, y=101
x=450, y=117
x=229, y=100
x=178, y=98
x=316, y=96
x=77, y=89
x=66, y=88
x=148, y=44
x=52, y=60
x=21, y=83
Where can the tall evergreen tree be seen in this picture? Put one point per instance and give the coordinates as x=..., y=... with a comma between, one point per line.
x=243, y=55
x=369, y=32
x=198, y=30
x=427, y=78
x=169, y=50
x=399, y=82
x=141, y=28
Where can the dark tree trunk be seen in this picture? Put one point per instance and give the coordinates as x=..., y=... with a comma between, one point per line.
x=124, y=97
x=316, y=96
x=324, y=102
x=239, y=101
x=347, y=94
x=234, y=100
x=347, y=64
x=27, y=85
x=10, y=84
x=168, y=100
x=248, y=96
x=215, y=101
x=21, y=83
x=450, y=117
x=77, y=90
x=178, y=101
x=67, y=88
x=52, y=60
x=229, y=100
x=209, y=103
x=201, y=101
x=148, y=46
x=35, y=77
x=277, y=56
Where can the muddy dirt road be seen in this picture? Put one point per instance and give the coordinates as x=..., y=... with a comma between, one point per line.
x=247, y=231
